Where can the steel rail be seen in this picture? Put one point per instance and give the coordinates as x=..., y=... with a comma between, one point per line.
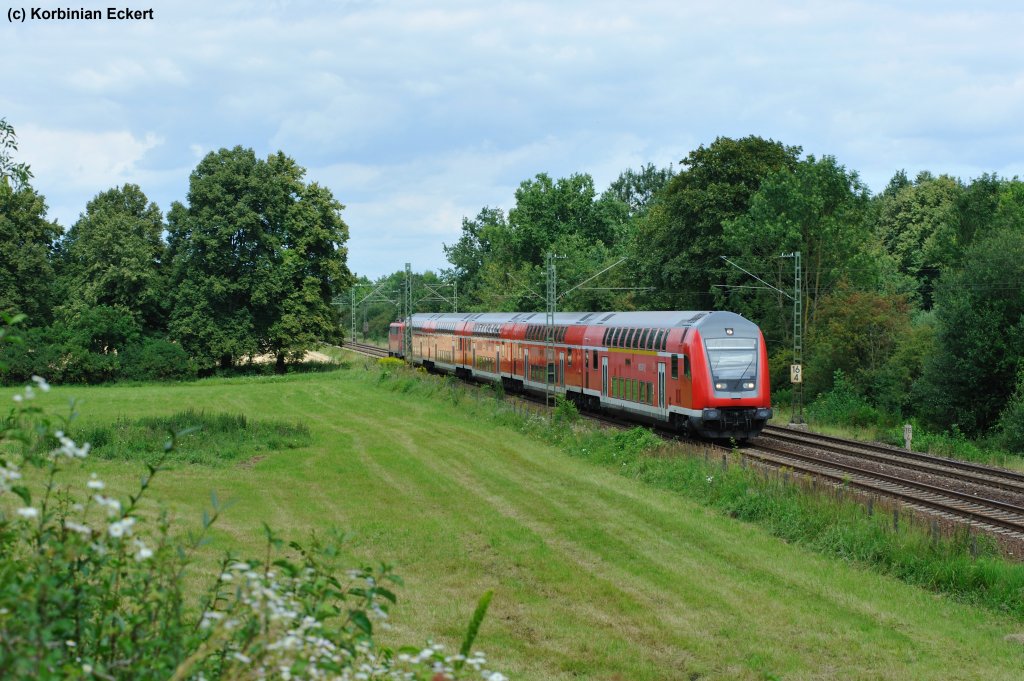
x=972, y=507
x=947, y=468
x=815, y=439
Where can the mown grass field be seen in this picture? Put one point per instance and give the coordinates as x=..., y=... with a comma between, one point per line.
x=595, y=576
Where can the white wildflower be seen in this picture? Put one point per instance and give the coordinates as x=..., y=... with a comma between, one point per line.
x=41, y=382
x=143, y=552
x=87, y=668
x=69, y=449
x=497, y=676
x=28, y=512
x=9, y=471
x=710, y=479
x=70, y=644
x=244, y=659
x=17, y=398
x=95, y=483
x=121, y=527
x=30, y=394
x=113, y=506
x=81, y=529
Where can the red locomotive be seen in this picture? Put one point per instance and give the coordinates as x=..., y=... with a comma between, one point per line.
x=702, y=372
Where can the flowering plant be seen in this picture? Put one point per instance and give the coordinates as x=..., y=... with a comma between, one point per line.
x=90, y=587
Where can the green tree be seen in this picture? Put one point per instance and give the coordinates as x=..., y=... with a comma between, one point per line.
x=256, y=255
x=919, y=225
x=677, y=244
x=979, y=335
x=474, y=249
x=547, y=210
x=313, y=265
x=114, y=256
x=637, y=189
x=500, y=264
x=816, y=207
x=27, y=247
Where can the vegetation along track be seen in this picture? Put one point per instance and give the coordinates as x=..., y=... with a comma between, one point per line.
x=988, y=499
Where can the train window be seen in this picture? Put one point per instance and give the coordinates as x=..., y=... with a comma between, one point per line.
x=643, y=392
x=686, y=366
x=604, y=338
x=632, y=390
x=594, y=364
x=629, y=338
x=643, y=339
x=615, y=337
x=570, y=357
x=675, y=366
x=664, y=340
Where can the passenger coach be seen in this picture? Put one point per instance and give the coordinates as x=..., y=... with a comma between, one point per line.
x=703, y=372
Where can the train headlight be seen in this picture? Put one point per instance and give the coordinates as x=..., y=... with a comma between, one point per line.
x=749, y=385
x=719, y=386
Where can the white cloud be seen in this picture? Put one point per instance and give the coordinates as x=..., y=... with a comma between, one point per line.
x=82, y=158
x=416, y=114
x=121, y=75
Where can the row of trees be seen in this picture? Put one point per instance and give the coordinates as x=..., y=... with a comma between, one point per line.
x=912, y=294
x=248, y=266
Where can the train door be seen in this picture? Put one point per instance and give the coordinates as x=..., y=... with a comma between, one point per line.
x=526, y=364
x=472, y=364
x=604, y=376
x=561, y=368
x=497, y=360
x=661, y=386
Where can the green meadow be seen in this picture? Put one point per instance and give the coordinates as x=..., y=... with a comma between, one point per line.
x=595, y=575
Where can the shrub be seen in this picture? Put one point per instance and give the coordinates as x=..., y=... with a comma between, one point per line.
x=1011, y=421
x=156, y=359
x=390, y=363
x=843, y=405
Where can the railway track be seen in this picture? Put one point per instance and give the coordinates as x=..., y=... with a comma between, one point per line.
x=989, y=476
x=991, y=515
x=986, y=498
x=366, y=349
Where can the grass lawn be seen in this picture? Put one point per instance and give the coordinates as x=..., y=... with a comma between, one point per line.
x=595, y=576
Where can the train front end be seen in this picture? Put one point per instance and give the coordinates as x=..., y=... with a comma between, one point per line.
x=731, y=387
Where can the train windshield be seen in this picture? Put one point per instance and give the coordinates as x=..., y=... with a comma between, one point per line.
x=732, y=358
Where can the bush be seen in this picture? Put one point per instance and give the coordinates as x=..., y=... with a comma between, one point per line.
x=156, y=359
x=843, y=405
x=1011, y=421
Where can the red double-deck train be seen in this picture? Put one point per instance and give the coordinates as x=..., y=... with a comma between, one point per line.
x=702, y=372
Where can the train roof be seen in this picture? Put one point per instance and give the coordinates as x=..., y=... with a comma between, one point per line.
x=652, y=319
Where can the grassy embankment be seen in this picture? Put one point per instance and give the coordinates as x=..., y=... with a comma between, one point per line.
x=595, y=575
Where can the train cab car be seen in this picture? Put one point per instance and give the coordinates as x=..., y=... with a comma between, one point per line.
x=700, y=372
x=730, y=372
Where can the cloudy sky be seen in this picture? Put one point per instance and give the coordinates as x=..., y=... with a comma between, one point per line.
x=416, y=114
